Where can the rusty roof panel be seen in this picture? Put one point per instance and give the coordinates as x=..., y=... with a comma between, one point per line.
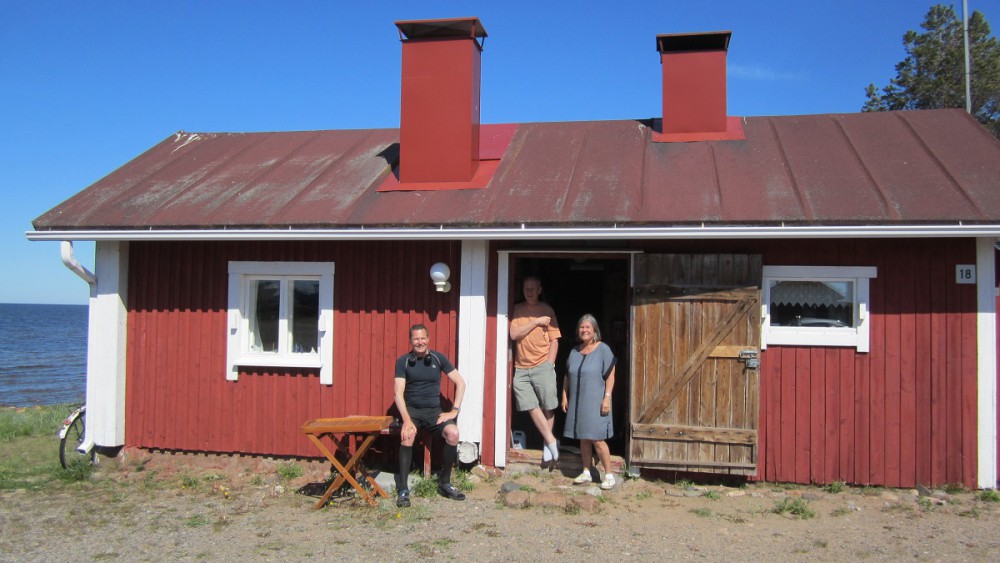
x=900, y=164
x=665, y=194
x=836, y=186
x=871, y=168
x=755, y=178
x=970, y=162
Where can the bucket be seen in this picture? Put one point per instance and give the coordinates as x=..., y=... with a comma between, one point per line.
x=468, y=453
x=518, y=440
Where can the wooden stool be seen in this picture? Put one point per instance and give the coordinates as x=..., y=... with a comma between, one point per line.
x=369, y=427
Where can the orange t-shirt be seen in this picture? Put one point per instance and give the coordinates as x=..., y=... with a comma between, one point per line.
x=533, y=349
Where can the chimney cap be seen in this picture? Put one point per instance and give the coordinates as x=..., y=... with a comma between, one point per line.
x=453, y=27
x=706, y=41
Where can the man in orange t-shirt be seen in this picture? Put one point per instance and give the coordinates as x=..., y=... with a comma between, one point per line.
x=535, y=331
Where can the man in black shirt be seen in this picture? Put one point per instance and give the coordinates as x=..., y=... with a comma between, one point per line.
x=418, y=398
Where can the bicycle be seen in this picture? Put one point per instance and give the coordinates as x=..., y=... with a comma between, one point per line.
x=71, y=437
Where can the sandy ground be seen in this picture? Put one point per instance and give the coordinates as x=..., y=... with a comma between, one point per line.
x=161, y=506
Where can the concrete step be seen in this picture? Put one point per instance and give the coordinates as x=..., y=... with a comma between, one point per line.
x=569, y=460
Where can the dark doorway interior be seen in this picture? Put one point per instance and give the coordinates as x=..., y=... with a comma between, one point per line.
x=574, y=286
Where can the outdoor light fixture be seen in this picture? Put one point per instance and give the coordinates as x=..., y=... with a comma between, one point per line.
x=439, y=275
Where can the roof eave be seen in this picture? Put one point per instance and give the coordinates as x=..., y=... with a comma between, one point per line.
x=525, y=232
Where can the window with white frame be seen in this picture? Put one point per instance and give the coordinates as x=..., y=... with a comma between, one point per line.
x=816, y=306
x=281, y=315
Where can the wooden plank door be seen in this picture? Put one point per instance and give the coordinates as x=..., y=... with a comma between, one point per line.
x=695, y=381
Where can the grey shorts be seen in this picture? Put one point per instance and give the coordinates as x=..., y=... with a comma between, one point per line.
x=536, y=387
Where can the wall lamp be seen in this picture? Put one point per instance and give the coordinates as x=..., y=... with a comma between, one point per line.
x=440, y=272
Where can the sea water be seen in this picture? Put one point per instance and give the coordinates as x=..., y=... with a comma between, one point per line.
x=43, y=354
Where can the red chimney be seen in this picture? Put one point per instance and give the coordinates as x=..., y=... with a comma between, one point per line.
x=694, y=87
x=439, y=115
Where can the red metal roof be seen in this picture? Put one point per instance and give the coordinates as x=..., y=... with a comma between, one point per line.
x=928, y=167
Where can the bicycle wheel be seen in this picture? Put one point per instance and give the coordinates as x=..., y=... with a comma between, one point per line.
x=68, y=455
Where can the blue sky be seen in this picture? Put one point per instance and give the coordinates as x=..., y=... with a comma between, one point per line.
x=87, y=86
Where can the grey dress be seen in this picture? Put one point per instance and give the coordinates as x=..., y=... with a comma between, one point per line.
x=587, y=374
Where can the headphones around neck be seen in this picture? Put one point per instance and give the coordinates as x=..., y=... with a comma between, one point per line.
x=428, y=359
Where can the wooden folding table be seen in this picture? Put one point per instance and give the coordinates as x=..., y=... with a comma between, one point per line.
x=369, y=427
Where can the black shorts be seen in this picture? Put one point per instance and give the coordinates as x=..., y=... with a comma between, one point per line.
x=426, y=419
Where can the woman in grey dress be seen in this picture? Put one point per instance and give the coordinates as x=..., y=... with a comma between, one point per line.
x=586, y=398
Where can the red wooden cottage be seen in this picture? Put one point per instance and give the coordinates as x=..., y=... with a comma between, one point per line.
x=797, y=298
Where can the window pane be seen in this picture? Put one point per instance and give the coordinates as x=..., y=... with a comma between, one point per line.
x=264, y=309
x=305, y=316
x=812, y=303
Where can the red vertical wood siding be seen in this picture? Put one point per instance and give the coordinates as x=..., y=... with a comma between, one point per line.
x=177, y=396
x=902, y=414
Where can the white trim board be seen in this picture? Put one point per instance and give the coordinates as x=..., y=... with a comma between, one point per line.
x=986, y=334
x=472, y=321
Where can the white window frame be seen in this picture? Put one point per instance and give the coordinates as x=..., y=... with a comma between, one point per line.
x=857, y=337
x=238, y=330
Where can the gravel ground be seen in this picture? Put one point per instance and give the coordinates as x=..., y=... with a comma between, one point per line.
x=157, y=507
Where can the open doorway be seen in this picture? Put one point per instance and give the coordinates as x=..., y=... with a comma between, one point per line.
x=576, y=284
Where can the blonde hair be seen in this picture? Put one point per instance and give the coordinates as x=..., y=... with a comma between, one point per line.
x=588, y=318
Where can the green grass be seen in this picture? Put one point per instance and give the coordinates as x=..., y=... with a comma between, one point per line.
x=425, y=487
x=29, y=462
x=989, y=495
x=188, y=481
x=953, y=488
x=796, y=507
x=32, y=421
x=835, y=487
x=290, y=470
x=462, y=481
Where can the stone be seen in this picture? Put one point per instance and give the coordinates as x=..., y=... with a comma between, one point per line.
x=487, y=473
x=516, y=499
x=554, y=500
x=586, y=503
x=509, y=487
x=386, y=480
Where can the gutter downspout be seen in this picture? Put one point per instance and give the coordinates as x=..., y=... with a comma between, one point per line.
x=77, y=268
x=66, y=252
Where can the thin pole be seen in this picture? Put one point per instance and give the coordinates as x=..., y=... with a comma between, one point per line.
x=965, y=27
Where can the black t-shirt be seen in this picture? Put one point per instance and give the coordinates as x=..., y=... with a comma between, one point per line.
x=423, y=378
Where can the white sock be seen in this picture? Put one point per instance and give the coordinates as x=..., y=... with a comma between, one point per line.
x=546, y=454
x=553, y=450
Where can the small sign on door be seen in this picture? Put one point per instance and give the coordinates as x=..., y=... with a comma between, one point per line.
x=965, y=273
